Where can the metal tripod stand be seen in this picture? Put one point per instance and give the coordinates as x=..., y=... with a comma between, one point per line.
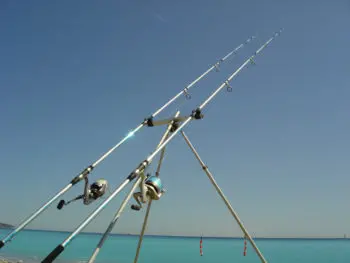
x=171, y=127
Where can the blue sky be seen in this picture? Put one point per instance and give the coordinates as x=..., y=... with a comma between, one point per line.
x=76, y=76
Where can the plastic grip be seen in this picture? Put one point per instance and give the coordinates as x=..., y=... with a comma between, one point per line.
x=54, y=254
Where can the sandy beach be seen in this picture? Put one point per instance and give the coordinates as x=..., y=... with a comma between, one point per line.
x=6, y=260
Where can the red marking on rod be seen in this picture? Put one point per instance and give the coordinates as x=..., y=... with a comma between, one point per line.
x=245, y=247
x=201, y=246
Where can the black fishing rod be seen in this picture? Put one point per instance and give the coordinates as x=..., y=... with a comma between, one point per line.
x=196, y=114
x=147, y=122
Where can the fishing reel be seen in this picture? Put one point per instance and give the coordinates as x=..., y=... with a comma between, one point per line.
x=151, y=188
x=91, y=193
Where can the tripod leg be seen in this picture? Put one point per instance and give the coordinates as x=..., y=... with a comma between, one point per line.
x=145, y=221
x=113, y=222
x=234, y=214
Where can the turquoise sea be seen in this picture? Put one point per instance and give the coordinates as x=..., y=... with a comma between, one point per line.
x=33, y=246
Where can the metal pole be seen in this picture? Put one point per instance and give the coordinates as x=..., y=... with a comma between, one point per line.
x=144, y=225
x=234, y=214
x=195, y=115
x=87, y=170
x=114, y=221
x=145, y=221
x=126, y=200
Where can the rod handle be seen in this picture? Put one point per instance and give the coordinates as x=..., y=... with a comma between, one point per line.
x=2, y=243
x=54, y=254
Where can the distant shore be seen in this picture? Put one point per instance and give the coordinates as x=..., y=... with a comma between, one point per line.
x=204, y=236
x=183, y=236
x=3, y=225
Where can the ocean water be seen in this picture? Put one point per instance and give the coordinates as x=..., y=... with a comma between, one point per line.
x=33, y=246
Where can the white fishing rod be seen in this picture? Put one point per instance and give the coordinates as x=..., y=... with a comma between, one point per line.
x=147, y=122
x=196, y=114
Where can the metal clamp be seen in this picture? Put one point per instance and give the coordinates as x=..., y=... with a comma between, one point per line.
x=149, y=122
x=174, y=126
x=197, y=114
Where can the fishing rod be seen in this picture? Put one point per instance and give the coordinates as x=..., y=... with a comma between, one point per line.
x=196, y=114
x=147, y=122
x=126, y=200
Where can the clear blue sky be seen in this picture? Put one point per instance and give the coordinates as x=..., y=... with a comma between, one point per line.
x=76, y=76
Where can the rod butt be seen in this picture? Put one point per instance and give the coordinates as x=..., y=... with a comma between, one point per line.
x=54, y=254
x=2, y=243
x=94, y=255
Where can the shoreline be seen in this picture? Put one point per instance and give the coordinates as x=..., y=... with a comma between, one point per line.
x=9, y=260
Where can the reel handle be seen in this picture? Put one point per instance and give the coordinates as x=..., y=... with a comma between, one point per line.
x=135, y=207
x=61, y=204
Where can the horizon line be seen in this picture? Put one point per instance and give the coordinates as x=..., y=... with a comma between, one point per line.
x=182, y=236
